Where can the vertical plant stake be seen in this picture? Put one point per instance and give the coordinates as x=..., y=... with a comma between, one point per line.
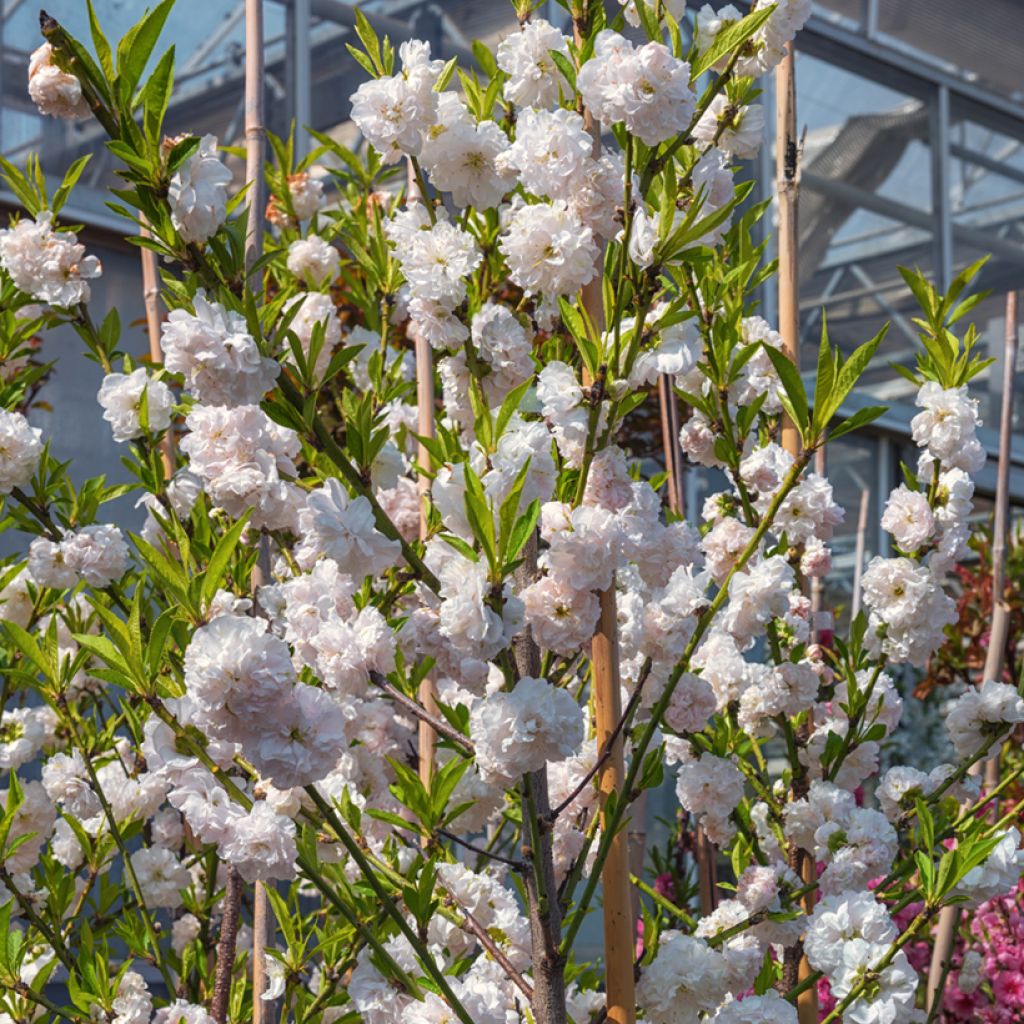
x=425, y=401
x=787, y=187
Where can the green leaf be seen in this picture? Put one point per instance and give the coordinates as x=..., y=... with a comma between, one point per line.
x=446, y=75
x=371, y=44
x=216, y=569
x=792, y=385
x=522, y=531
x=135, y=49
x=731, y=38
x=156, y=94
x=861, y=418
x=480, y=516
x=100, y=43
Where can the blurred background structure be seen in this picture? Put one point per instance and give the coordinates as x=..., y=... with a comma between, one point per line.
x=913, y=112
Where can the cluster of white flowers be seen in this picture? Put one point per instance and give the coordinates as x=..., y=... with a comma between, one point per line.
x=333, y=525
x=314, y=260
x=198, y=193
x=97, y=555
x=462, y=156
x=521, y=730
x=245, y=461
x=983, y=717
x=49, y=265
x=304, y=689
x=855, y=843
x=909, y=607
x=643, y=87
x=396, y=113
x=215, y=354
x=848, y=937
x=123, y=396
x=23, y=734
x=686, y=978
x=20, y=449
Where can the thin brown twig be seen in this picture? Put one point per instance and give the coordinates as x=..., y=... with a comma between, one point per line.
x=439, y=725
x=516, y=865
x=480, y=933
x=606, y=749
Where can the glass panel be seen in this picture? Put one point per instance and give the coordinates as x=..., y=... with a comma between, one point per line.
x=976, y=40
x=865, y=209
x=987, y=204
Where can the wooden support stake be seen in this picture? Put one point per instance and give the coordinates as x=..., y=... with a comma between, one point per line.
x=668, y=405
x=425, y=426
x=787, y=186
x=619, y=927
x=256, y=199
x=151, y=300
x=858, y=553
x=949, y=917
x=995, y=658
x=255, y=130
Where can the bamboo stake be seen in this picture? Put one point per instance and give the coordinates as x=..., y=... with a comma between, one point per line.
x=787, y=185
x=606, y=687
x=995, y=657
x=858, y=553
x=256, y=198
x=255, y=130
x=949, y=917
x=151, y=299
x=668, y=405
x=619, y=934
x=704, y=851
x=425, y=401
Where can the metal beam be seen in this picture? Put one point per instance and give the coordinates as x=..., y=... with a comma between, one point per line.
x=941, y=186
x=302, y=86
x=212, y=41
x=976, y=237
x=398, y=31
x=883, y=303
x=984, y=160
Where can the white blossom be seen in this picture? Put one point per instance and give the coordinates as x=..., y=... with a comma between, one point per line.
x=520, y=731
x=534, y=79
x=983, y=717
x=548, y=250
x=645, y=87
x=121, y=396
x=20, y=449
x=213, y=350
x=49, y=265
x=314, y=260
x=53, y=91
x=198, y=193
